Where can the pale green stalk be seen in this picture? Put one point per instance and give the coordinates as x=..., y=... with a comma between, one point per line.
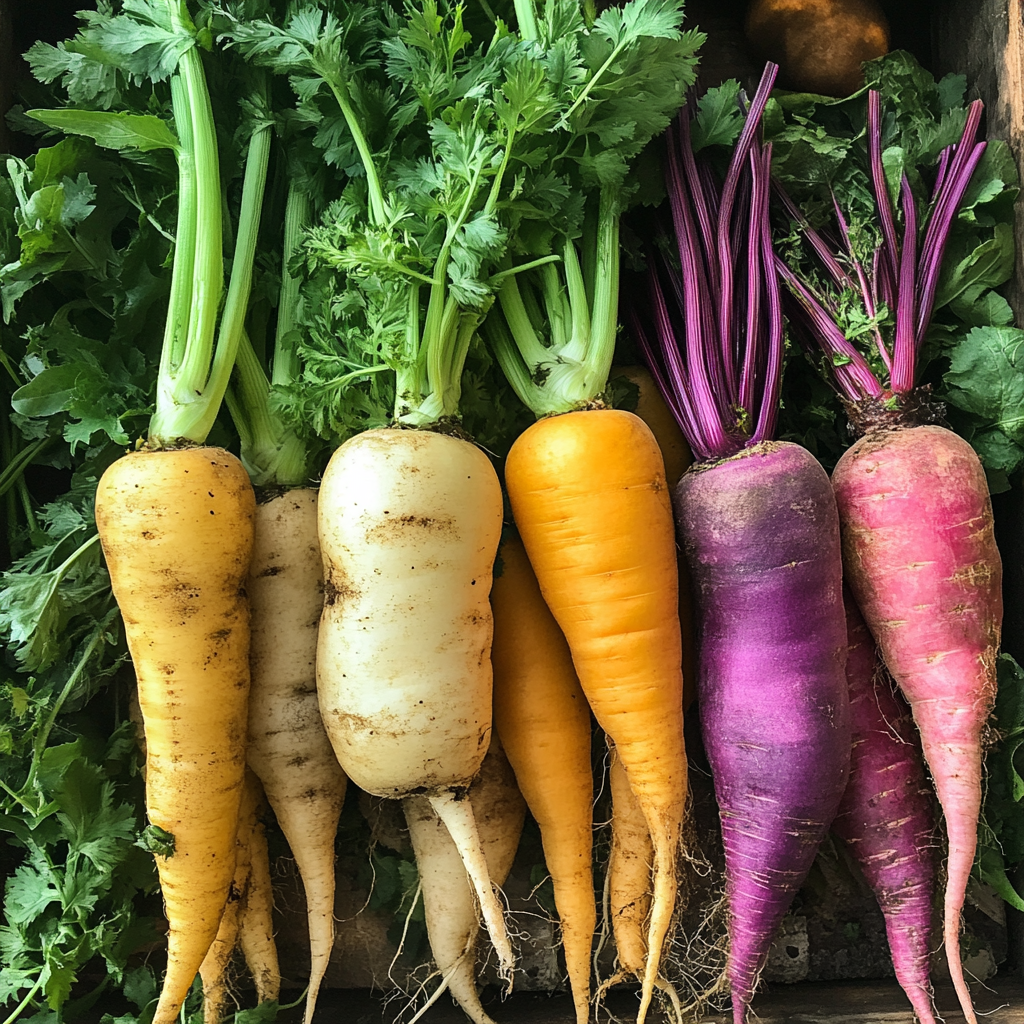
x=286, y=357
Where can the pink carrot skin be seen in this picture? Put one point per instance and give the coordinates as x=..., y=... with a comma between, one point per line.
x=921, y=559
x=886, y=818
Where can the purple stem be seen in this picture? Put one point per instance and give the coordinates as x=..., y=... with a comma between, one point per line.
x=818, y=244
x=890, y=255
x=756, y=226
x=702, y=428
x=940, y=177
x=703, y=208
x=769, y=412
x=904, y=346
x=937, y=236
x=728, y=200
x=701, y=355
x=852, y=375
x=676, y=393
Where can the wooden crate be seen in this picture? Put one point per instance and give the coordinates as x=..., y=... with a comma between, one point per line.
x=983, y=39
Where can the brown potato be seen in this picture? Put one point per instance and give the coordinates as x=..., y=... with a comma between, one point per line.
x=819, y=45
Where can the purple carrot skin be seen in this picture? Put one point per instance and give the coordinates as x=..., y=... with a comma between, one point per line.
x=918, y=543
x=761, y=535
x=758, y=522
x=886, y=817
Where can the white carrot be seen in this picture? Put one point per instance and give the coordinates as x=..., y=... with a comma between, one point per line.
x=288, y=747
x=409, y=527
x=448, y=900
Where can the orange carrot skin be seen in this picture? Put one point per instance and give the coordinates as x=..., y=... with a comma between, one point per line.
x=176, y=529
x=651, y=408
x=920, y=557
x=589, y=496
x=543, y=721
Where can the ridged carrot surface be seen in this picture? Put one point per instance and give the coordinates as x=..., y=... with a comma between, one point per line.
x=177, y=534
x=543, y=721
x=590, y=499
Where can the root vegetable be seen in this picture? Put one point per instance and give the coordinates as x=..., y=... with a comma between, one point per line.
x=256, y=918
x=921, y=560
x=761, y=534
x=653, y=410
x=886, y=817
x=409, y=526
x=176, y=529
x=214, y=968
x=449, y=904
x=288, y=746
x=543, y=721
x=589, y=496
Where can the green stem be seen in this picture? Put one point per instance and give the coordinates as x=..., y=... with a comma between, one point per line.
x=510, y=359
x=21, y=1007
x=495, y=280
x=526, y=15
x=439, y=348
x=179, y=306
x=5, y=362
x=26, y=504
x=297, y=214
x=232, y=322
x=271, y=453
x=589, y=87
x=14, y=796
x=579, y=308
x=601, y=349
x=530, y=346
x=378, y=208
x=17, y=464
x=208, y=269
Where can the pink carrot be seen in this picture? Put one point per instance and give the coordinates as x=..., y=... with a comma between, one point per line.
x=886, y=818
x=919, y=551
x=921, y=559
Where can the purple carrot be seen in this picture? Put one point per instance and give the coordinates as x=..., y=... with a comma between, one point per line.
x=887, y=817
x=760, y=533
x=758, y=522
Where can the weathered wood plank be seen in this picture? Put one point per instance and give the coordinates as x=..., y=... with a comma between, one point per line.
x=836, y=1003
x=984, y=40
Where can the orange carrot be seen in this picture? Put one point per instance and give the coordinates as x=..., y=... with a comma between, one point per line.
x=651, y=408
x=590, y=498
x=543, y=721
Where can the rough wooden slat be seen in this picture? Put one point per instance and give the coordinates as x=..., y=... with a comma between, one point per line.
x=984, y=39
x=837, y=1003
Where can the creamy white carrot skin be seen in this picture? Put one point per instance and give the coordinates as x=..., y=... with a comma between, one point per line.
x=448, y=901
x=288, y=747
x=409, y=527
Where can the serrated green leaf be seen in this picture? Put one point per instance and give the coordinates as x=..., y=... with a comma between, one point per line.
x=986, y=377
x=27, y=894
x=719, y=120
x=142, y=132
